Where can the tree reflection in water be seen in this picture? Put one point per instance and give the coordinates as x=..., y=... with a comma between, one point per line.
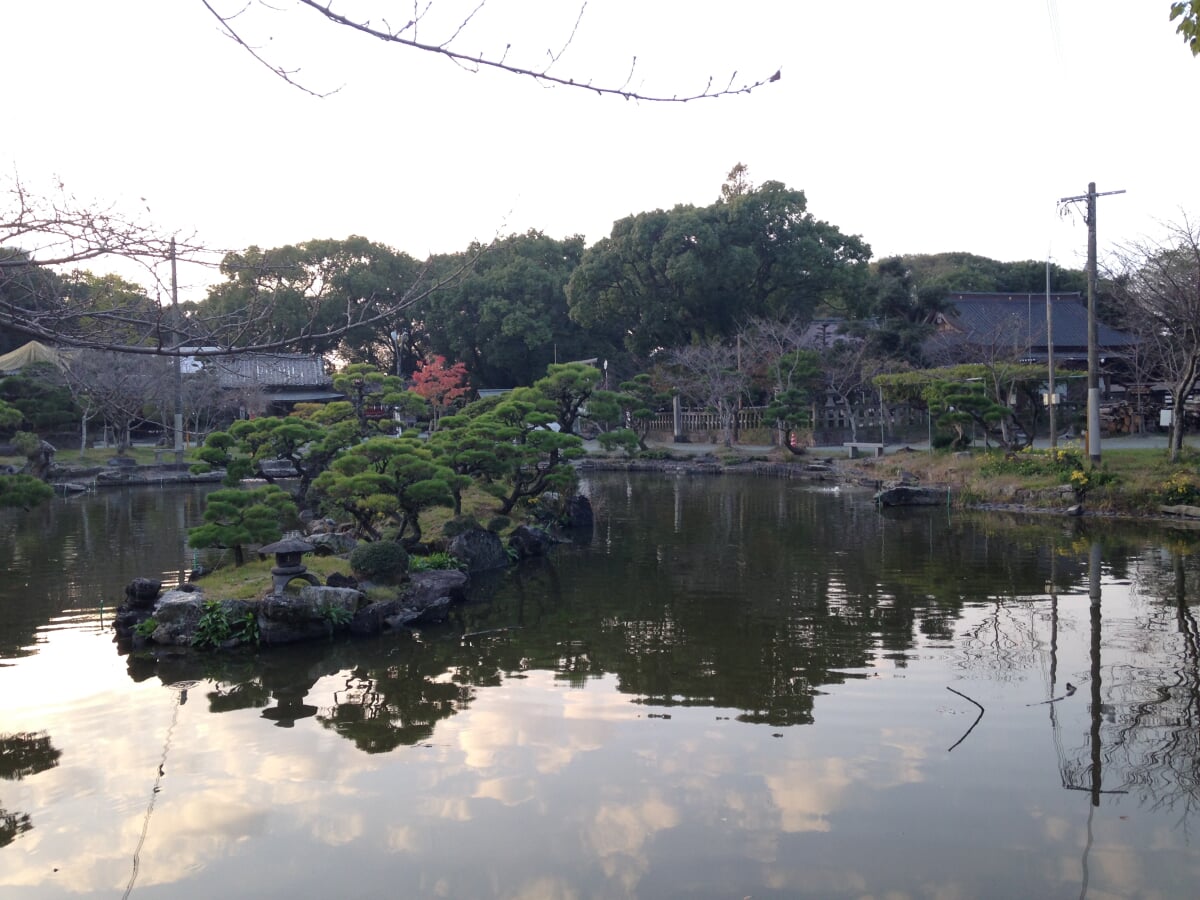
x=1153, y=712
x=22, y=755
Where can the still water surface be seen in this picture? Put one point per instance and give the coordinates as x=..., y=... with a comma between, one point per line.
x=736, y=688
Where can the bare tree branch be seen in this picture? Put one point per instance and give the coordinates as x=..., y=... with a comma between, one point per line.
x=406, y=36
x=1159, y=283
x=280, y=72
x=41, y=234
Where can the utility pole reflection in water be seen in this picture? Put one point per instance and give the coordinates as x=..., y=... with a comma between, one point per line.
x=1095, y=788
x=1094, y=597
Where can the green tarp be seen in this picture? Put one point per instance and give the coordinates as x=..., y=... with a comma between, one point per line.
x=27, y=355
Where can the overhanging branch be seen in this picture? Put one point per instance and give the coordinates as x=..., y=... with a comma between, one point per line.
x=406, y=36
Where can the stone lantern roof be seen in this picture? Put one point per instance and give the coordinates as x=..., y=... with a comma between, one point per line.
x=287, y=545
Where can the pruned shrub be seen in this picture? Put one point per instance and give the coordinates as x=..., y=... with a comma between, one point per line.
x=379, y=560
x=459, y=525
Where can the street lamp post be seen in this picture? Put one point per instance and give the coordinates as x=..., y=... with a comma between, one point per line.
x=399, y=340
x=359, y=389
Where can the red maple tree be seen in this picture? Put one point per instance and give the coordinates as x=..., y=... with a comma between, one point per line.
x=441, y=386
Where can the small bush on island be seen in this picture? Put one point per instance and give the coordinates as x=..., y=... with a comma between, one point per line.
x=146, y=627
x=379, y=560
x=459, y=525
x=214, y=627
x=23, y=491
x=432, y=562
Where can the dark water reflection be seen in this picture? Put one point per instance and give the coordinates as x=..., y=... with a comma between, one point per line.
x=71, y=558
x=732, y=688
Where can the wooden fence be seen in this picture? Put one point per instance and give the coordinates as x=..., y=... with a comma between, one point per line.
x=831, y=423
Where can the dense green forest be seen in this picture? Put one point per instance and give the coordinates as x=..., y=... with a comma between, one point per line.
x=662, y=279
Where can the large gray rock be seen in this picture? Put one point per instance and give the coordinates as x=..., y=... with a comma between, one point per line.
x=340, y=580
x=552, y=508
x=331, y=543
x=40, y=463
x=332, y=597
x=1187, y=512
x=375, y=617
x=428, y=586
x=578, y=513
x=277, y=468
x=909, y=495
x=427, y=600
x=142, y=592
x=479, y=550
x=116, y=475
x=431, y=614
x=177, y=614
x=288, y=618
x=527, y=541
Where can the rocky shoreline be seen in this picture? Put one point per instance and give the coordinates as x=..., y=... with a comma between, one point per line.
x=186, y=618
x=78, y=479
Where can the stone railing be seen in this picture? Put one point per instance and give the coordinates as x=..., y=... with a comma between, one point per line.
x=830, y=423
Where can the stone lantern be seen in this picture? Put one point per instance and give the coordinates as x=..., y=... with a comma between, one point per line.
x=287, y=563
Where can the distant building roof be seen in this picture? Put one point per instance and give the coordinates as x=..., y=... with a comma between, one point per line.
x=979, y=318
x=270, y=370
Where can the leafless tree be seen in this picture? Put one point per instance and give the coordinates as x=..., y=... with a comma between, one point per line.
x=772, y=348
x=207, y=406
x=1159, y=282
x=708, y=375
x=118, y=387
x=408, y=33
x=850, y=366
x=768, y=347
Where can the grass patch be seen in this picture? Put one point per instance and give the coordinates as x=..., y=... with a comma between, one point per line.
x=379, y=593
x=1132, y=482
x=432, y=562
x=476, y=502
x=99, y=456
x=251, y=581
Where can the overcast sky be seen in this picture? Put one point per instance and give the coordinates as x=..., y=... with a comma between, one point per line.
x=924, y=126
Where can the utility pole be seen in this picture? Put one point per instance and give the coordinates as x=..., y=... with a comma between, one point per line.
x=1051, y=396
x=1093, y=406
x=178, y=361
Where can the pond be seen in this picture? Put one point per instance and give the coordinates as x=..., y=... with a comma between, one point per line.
x=736, y=687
